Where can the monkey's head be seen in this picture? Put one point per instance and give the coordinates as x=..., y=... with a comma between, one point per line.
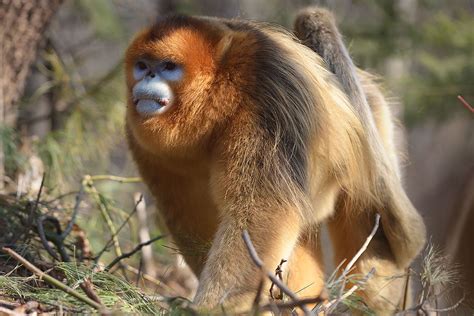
x=177, y=81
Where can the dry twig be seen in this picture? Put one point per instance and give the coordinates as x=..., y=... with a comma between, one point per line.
x=115, y=178
x=293, y=304
x=362, y=249
x=466, y=104
x=110, y=241
x=330, y=306
x=447, y=309
x=88, y=183
x=354, y=259
x=144, y=234
x=52, y=281
x=278, y=272
x=88, y=287
x=134, y=251
x=71, y=223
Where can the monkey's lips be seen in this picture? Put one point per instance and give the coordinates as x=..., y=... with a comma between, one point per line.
x=148, y=107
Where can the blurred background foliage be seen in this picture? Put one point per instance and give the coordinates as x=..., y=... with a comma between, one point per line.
x=422, y=49
x=71, y=113
x=433, y=43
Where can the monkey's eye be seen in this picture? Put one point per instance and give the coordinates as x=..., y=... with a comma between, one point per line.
x=140, y=70
x=141, y=65
x=169, y=66
x=171, y=71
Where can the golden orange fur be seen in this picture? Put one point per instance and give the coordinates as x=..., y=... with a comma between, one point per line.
x=261, y=137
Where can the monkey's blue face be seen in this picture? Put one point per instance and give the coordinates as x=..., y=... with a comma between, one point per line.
x=152, y=94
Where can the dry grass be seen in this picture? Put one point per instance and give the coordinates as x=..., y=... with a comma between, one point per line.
x=63, y=252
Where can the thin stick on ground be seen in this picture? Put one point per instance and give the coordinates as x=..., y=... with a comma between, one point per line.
x=115, y=178
x=52, y=281
x=88, y=287
x=292, y=304
x=44, y=240
x=88, y=183
x=144, y=234
x=131, y=253
x=447, y=309
x=91, y=189
x=421, y=307
x=71, y=223
x=259, y=263
x=34, y=209
x=58, y=240
x=110, y=241
x=40, y=191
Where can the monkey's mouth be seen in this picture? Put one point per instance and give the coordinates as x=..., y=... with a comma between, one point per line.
x=148, y=107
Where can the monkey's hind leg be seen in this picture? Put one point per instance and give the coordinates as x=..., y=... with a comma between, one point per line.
x=383, y=290
x=305, y=272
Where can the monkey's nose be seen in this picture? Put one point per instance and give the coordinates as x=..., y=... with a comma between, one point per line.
x=164, y=101
x=152, y=96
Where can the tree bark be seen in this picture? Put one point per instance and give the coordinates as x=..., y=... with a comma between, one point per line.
x=23, y=24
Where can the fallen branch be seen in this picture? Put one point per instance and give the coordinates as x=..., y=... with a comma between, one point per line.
x=52, y=281
x=110, y=241
x=88, y=184
x=131, y=253
x=143, y=235
x=88, y=287
x=421, y=307
x=115, y=178
x=71, y=223
x=293, y=304
x=447, y=309
x=44, y=240
x=38, y=196
x=259, y=263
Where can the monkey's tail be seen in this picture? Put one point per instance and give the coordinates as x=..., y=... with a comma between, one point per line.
x=403, y=226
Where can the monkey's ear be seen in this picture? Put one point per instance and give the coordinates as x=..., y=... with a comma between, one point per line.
x=223, y=47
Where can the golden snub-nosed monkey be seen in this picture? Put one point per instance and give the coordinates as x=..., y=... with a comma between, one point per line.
x=239, y=125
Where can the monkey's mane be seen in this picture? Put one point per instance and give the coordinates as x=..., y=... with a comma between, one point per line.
x=302, y=110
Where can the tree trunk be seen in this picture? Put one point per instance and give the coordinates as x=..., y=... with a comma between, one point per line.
x=22, y=28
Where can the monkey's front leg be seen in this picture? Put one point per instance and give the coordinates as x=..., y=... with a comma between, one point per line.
x=229, y=276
